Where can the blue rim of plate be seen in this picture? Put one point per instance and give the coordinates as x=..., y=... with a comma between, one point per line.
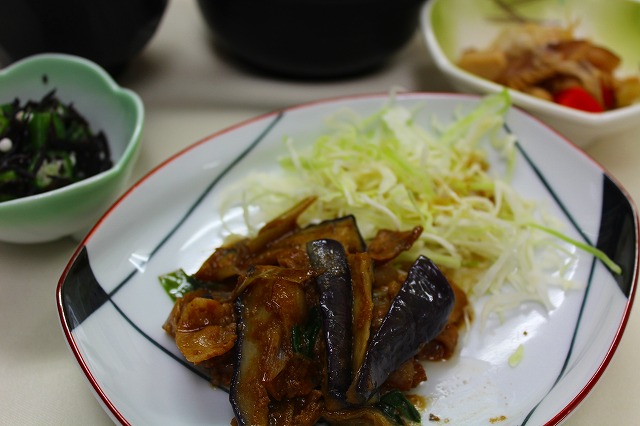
x=79, y=293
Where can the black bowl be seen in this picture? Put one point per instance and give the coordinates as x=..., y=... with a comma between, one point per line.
x=108, y=32
x=312, y=38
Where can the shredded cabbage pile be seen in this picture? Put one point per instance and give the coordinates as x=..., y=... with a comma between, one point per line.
x=391, y=173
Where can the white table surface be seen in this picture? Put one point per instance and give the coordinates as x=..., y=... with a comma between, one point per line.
x=191, y=91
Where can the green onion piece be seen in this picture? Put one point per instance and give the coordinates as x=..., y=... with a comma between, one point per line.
x=399, y=404
x=398, y=400
x=390, y=412
x=297, y=340
x=303, y=337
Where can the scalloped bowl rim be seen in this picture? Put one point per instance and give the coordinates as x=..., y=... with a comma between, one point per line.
x=113, y=89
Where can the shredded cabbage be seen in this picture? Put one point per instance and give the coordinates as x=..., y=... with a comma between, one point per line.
x=391, y=173
x=516, y=357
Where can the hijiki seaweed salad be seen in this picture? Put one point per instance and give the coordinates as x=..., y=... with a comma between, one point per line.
x=45, y=145
x=328, y=312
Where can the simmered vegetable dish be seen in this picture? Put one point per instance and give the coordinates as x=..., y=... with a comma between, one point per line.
x=551, y=63
x=313, y=324
x=45, y=145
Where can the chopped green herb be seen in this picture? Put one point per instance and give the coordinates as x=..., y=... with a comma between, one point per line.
x=303, y=338
x=178, y=283
x=398, y=408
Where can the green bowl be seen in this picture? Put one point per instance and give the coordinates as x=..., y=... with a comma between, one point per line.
x=118, y=112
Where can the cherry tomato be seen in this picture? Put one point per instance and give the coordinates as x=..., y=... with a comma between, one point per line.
x=578, y=98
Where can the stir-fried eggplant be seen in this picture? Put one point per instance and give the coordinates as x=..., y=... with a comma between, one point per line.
x=308, y=324
x=418, y=314
x=444, y=345
x=361, y=266
x=202, y=327
x=266, y=312
x=226, y=262
x=290, y=251
x=334, y=287
x=387, y=245
x=287, y=246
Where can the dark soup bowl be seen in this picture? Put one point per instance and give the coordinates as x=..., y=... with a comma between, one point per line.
x=108, y=32
x=312, y=38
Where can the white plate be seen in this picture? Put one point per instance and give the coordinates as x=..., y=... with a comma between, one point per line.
x=112, y=307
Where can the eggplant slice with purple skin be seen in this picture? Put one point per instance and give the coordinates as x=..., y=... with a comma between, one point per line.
x=334, y=287
x=417, y=315
x=263, y=345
